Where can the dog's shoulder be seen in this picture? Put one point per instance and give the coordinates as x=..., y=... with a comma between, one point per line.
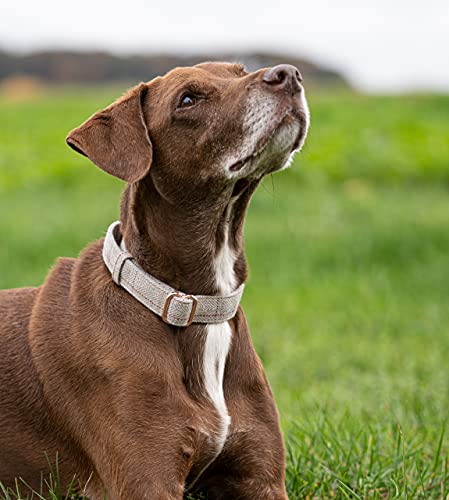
x=17, y=297
x=16, y=306
x=59, y=292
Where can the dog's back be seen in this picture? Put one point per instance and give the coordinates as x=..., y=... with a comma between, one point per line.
x=28, y=430
x=20, y=392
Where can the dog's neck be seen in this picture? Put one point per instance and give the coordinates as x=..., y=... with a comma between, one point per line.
x=195, y=246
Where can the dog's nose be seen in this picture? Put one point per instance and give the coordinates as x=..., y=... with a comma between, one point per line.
x=283, y=76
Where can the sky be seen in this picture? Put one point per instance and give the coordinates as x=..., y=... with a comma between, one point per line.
x=380, y=46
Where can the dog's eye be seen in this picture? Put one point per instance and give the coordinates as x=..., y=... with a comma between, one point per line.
x=187, y=100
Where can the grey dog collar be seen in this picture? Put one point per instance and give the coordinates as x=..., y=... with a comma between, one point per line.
x=174, y=307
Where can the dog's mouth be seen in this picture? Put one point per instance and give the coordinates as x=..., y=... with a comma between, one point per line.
x=291, y=117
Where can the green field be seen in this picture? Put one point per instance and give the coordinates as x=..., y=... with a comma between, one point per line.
x=349, y=276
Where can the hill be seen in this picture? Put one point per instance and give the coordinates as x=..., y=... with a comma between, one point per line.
x=82, y=67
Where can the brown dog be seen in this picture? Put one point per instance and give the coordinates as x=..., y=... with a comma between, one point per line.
x=134, y=406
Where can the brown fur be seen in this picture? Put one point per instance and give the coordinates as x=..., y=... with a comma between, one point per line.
x=90, y=374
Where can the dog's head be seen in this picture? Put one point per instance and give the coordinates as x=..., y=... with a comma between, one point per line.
x=210, y=124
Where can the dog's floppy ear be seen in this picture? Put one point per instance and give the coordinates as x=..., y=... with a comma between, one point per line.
x=116, y=139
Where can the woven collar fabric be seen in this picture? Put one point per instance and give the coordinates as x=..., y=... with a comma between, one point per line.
x=173, y=306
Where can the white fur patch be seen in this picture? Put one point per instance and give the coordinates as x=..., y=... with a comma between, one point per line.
x=259, y=111
x=258, y=148
x=219, y=336
x=225, y=260
x=224, y=270
x=216, y=349
x=306, y=111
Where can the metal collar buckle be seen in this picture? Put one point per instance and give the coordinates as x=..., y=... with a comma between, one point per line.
x=168, y=301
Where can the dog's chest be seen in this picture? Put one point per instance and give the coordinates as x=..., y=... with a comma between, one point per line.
x=216, y=349
x=218, y=342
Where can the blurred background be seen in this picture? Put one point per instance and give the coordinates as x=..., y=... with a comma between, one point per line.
x=348, y=249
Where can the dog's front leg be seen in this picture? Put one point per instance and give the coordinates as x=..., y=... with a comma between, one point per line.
x=146, y=458
x=250, y=467
x=141, y=489
x=141, y=474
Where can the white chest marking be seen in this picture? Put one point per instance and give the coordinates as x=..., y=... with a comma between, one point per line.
x=225, y=259
x=218, y=339
x=224, y=269
x=218, y=342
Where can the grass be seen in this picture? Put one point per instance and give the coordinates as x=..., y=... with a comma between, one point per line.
x=349, y=271
x=51, y=487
